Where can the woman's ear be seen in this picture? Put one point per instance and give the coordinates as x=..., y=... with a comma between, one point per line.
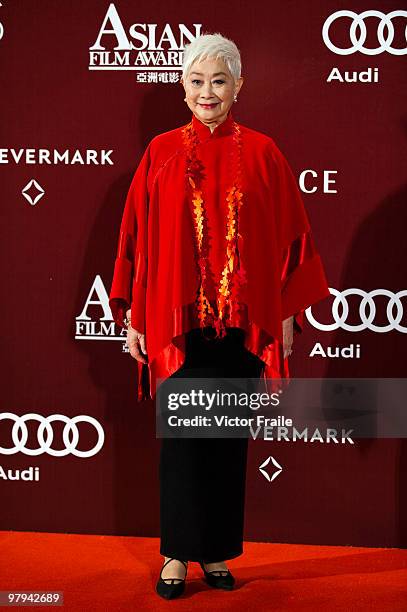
x=239, y=84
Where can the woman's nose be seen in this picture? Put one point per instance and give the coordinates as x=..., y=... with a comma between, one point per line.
x=207, y=90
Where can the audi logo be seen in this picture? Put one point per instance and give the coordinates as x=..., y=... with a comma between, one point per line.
x=358, y=22
x=367, y=311
x=19, y=435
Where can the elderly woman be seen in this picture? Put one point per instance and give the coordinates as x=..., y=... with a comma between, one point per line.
x=215, y=267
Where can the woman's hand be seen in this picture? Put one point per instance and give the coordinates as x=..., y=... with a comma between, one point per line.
x=288, y=335
x=136, y=342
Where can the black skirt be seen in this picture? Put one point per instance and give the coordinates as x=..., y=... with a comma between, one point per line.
x=202, y=480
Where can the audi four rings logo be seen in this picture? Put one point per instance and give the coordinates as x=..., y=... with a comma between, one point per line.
x=45, y=435
x=367, y=311
x=358, y=22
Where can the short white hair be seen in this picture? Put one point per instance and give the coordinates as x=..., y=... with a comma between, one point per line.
x=212, y=45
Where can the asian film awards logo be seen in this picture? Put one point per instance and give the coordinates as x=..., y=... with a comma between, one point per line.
x=154, y=51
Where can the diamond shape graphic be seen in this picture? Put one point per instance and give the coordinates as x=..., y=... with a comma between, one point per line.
x=35, y=195
x=265, y=472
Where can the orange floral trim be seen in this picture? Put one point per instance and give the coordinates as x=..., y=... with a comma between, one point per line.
x=233, y=275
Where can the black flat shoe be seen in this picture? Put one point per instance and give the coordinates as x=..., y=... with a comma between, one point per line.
x=224, y=580
x=170, y=590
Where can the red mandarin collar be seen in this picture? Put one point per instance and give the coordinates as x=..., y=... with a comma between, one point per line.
x=204, y=132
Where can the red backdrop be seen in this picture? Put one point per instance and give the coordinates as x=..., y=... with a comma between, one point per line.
x=62, y=354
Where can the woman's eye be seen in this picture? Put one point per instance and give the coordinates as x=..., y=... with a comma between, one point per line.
x=220, y=81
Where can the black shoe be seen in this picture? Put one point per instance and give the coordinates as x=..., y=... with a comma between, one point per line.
x=172, y=589
x=224, y=580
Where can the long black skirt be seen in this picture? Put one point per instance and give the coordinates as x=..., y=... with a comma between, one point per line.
x=202, y=480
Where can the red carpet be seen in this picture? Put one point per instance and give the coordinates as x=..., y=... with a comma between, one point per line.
x=119, y=573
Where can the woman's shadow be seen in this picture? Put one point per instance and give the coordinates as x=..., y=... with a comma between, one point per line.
x=377, y=260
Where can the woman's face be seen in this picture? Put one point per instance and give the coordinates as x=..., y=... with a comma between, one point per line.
x=210, y=90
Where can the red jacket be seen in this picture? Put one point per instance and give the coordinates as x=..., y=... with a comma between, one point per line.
x=155, y=270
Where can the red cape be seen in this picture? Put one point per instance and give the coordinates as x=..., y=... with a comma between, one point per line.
x=155, y=271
